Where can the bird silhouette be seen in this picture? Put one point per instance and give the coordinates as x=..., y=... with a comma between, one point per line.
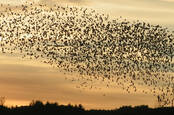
x=83, y=41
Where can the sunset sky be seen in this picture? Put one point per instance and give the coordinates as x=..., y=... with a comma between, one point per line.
x=22, y=80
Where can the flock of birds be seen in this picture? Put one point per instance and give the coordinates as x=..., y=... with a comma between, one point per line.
x=83, y=41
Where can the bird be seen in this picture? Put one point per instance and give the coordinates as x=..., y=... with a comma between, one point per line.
x=83, y=41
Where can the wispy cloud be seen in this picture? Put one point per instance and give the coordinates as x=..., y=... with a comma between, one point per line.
x=168, y=0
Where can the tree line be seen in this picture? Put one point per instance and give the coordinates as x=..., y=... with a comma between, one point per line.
x=38, y=107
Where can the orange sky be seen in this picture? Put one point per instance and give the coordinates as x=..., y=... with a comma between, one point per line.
x=23, y=80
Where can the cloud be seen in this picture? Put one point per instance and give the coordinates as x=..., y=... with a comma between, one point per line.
x=168, y=0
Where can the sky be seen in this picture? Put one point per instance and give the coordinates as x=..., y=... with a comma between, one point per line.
x=152, y=11
x=22, y=80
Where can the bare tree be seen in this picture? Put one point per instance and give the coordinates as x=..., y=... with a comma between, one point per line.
x=159, y=101
x=2, y=101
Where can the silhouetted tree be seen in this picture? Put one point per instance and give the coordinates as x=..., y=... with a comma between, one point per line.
x=2, y=101
x=160, y=101
x=81, y=107
x=36, y=103
x=38, y=107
